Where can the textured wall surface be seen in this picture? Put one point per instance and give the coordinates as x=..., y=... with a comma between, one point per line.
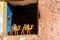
x=25, y=2
x=50, y=19
x=49, y=23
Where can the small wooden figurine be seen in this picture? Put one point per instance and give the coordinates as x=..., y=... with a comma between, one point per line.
x=17, y=29
x=23, y=30
x=29, y=28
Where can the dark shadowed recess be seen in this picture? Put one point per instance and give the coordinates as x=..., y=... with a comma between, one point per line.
x=25, y=15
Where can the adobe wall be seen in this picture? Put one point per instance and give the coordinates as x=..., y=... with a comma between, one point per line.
x=50, y=19
x=49, y=23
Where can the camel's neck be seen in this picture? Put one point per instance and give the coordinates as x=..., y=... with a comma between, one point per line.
x=31, y=27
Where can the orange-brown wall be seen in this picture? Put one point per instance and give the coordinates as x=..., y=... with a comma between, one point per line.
x=49, y=23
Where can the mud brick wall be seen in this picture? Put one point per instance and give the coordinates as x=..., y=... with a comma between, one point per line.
x=50, y=19
x=49, y=23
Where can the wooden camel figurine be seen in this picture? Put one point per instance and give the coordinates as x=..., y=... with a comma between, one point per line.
x=15, y=29
x=29, y=28
x=23, y=30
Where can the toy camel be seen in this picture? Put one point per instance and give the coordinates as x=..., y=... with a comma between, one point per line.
x=23, y=30
x=29, y=28
x=15, y=29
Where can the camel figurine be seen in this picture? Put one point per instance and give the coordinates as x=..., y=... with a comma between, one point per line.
x=24, y=28
x=15, y=28
x=29, y=28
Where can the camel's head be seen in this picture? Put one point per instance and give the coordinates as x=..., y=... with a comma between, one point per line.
x=32, y=26
x=18, y=27
x=14, y=25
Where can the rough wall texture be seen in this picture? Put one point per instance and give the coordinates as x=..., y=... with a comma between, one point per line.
x=24, y=2
x=50, y=17
x=49, y=23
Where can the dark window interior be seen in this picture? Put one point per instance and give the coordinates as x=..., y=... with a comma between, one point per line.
x=25, y=15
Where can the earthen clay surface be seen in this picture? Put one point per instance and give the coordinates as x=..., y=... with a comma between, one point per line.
x=49, y=22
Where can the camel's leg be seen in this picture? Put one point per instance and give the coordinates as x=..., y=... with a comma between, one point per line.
x=22, y=32
x=15, y=32
x=11, y=33
x=27, y=32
